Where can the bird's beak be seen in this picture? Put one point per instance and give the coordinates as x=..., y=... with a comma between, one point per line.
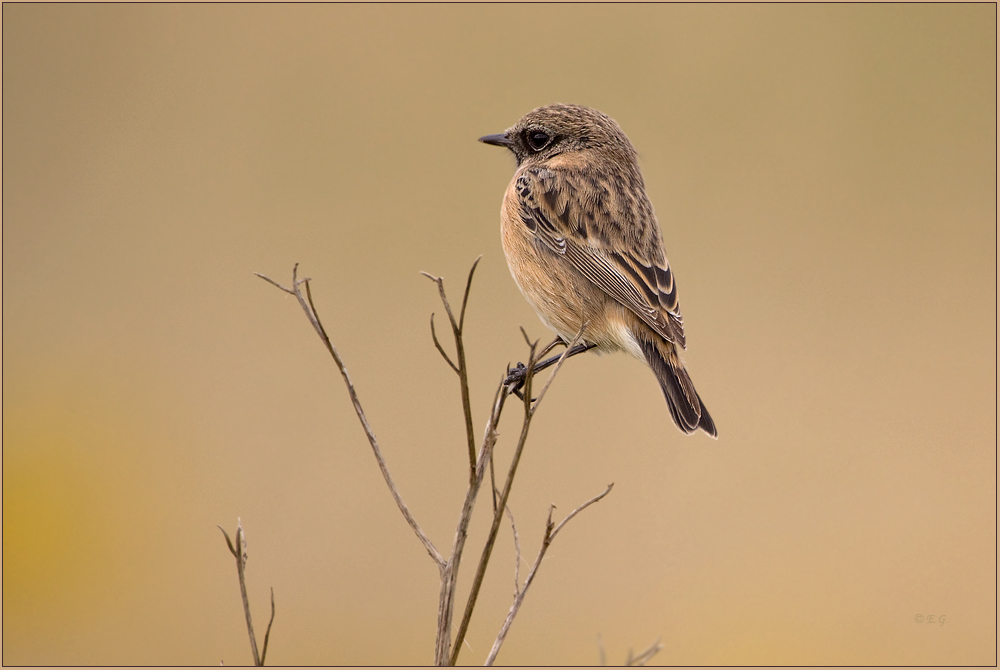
x=498, y=140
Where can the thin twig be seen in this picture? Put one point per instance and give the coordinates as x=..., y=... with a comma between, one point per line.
x=550, y=535
x=440, y=348
x=530, y=407
x=644, y=656
x=274, y=283
x=239, y=551
x=306, y=303
x=562, y=359
x=446, y=651
x=465, y=298
x=267, y=633
x=463, y=370
x=578, y=510
x=517, y=554
x=444, y=296
x=484, y=558
x=493, y=484
x=449, y=578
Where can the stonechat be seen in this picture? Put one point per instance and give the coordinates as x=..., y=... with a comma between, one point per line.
x=584, y=246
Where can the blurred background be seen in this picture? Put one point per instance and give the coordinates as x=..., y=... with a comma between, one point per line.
x=825, y=179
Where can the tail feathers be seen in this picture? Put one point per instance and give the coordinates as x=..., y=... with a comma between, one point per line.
x=686, y=406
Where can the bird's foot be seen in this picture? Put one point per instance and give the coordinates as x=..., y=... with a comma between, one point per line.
x=515, y=379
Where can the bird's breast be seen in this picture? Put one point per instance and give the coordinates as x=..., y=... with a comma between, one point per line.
x=562, y=297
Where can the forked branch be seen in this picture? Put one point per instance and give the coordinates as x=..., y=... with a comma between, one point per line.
x=239, y=551
x=306, y=303
x=530, y=407
x=457, y=329
x=519, y=593
x=644, y=657
x=446, y=651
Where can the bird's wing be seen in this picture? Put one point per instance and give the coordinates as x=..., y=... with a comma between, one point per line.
x=611, y=239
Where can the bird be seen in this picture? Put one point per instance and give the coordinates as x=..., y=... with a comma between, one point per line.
x=585, y=248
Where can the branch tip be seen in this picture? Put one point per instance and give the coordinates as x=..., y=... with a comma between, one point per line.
x=441, y=350
x=468, y=286
x=228, y=541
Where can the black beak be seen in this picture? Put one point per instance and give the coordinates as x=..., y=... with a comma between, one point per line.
x=499, y=140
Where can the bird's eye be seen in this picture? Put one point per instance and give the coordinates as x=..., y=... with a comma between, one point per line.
x=537, y=139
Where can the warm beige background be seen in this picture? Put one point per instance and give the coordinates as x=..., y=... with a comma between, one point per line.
x=825, y=177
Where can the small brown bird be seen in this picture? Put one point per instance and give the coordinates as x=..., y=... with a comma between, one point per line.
x=584, y=246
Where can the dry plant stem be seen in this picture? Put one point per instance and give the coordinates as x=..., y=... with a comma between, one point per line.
x=493, y=484
x=457, y=328
x=440, y=349
x=449, y=577
x=477, y=465
x=446, y=651
x=519, y=594
x=267, y=633
x=310, y=310
x=448, y=569
x=644, y=656
x=497, y=516
x=241, y=561
x=530, y=407
x=517, y=553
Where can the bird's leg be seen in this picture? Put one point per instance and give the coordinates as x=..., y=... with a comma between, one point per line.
x=515, y=377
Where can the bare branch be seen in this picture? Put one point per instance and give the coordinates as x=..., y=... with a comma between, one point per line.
x=444, y=297
x=463, y=370
x=517, y=554
x=440, y=348
x=306, y=303
x=449, y=578
x=493, y=484
x=550, y=534
x=274, y=283
x=580, y=509
x=447, y=650
x=466, y=406
x=267, y=633
x=562, y=359
x=527, y=340
x=493, y=480
x=484, y=558
x=239, y=551
x=232, y=550
x=644, y=656
x=465, y=299
x=529, y=410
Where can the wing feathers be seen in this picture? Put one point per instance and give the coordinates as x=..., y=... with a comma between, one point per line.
x=648, y=289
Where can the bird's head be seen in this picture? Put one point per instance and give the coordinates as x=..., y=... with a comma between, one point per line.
x=554, y=130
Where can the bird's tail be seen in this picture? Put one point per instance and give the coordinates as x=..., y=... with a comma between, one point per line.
x=685, y=404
